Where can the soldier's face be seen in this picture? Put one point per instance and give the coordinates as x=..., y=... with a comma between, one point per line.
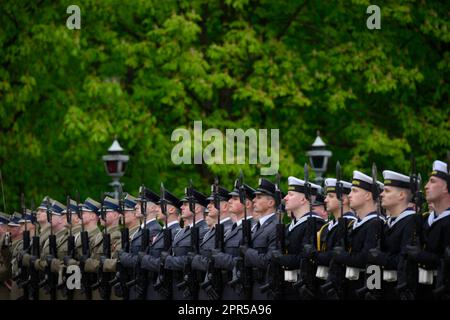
x=210, y=220
x=390, y=197
x=435, y=189
x=262, y=203
x=41, y=216
x=137, y=210
x=212, y=210
x=130, y=218
x=235, y=205
x=185, y=212
x=294, y=200
x=15, y=231
x=111, y=217
x=332, y=202
x=87, y=216
x=358, y=197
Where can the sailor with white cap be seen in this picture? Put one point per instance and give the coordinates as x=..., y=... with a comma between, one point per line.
x=364, y=234
x=436, y=233
x=299, y=231
x=398, y=231
x=332, y=234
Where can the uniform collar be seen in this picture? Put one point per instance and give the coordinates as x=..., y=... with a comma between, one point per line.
x=391, y=221
x=370, y=216
x=432, y=218
x=265, y=218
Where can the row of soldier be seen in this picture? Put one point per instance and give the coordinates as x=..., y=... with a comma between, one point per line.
x=235, y=245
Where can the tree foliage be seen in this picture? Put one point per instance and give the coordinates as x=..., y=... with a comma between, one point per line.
x=140, y=69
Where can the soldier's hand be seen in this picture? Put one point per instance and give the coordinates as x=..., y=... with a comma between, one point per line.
x=164, y=255
x=376, y=256
x=308, y=251
x=69, y=261
x=109, y=265
x=40, y=264
x=56, y=265
x=339, y=255
x=276, y=255
x=141, y=255
x=412, y=252
x=91, y=265
x=214, y=252
x=243, y=249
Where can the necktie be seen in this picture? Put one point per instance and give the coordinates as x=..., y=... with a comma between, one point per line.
x=234, y=226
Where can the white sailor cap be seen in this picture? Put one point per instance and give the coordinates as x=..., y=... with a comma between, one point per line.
x=440, y=170
x=298, y=185
x=363, y=181
x=395, y=179
x=330, y=185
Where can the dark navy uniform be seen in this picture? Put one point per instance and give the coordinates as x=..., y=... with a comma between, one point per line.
x=330, y=236
x=297, y=236
x=363, y=237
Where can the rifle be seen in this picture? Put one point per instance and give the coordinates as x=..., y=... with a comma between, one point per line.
x=141, y=275
x=122, y=278
x=364, y=292
x=35, y=252
x=306, y=283
x=213, y=278
x=163, y=283
x=70, y=246
x=242, y=280
x=86, y=277
x=333, y=289
x=409, y=273
x=275, y=273
x=190, y=283
x=50, y=279
x=443, y=280
x=23, y=277
x=443, y=284
x=104, y=278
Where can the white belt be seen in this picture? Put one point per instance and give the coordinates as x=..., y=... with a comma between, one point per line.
x=322, y=272
x=291, y=275
x=352, y=273
x=426, y=276
x=389, y=275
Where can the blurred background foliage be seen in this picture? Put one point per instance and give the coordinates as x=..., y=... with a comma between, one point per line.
x=140, y=69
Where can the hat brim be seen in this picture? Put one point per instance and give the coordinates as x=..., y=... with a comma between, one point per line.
x=264, y=192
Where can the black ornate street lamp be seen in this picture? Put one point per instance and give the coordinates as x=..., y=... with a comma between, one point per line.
x=115, y=164
x=318, y=158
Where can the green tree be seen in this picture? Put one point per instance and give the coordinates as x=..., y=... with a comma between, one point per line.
x=140, y=69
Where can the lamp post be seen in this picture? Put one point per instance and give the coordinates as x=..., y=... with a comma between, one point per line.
x=115, y=164
x=318, y=158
